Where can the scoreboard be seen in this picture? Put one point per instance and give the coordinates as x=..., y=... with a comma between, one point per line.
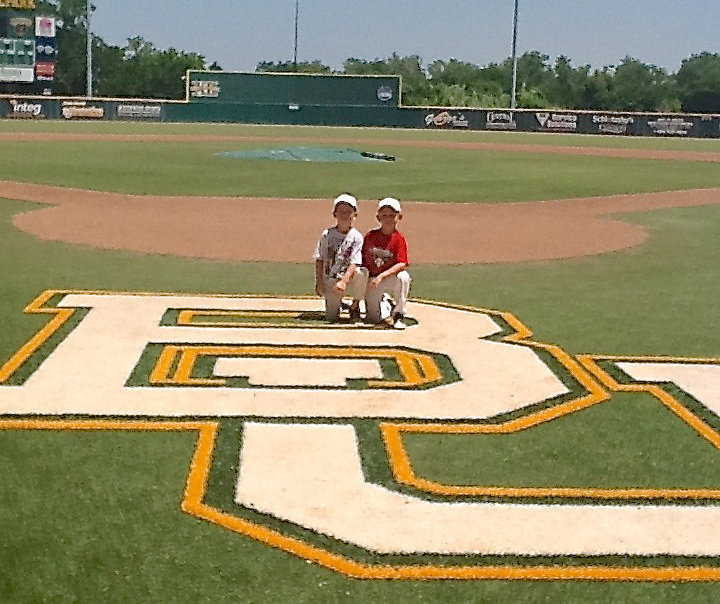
x=27, y=48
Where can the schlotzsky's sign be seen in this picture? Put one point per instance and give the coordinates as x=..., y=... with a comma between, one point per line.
x=299, y=395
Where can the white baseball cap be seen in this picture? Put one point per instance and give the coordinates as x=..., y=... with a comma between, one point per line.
x=389, y=202
x=345, y=198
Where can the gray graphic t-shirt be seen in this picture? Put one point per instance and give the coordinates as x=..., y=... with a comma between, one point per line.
x=338, y=251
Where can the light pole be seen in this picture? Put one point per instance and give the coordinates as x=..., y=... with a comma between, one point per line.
x=89, y=89
x=297, y=8
x=514, y=57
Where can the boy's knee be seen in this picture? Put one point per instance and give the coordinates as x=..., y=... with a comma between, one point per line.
x=361, y=275
x=404, y=277
x=332, y=309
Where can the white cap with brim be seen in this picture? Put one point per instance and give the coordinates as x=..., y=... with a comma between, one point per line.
x=389, y=202
x=345, y=198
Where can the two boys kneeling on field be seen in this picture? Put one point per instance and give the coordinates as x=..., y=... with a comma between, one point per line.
x=346, y=264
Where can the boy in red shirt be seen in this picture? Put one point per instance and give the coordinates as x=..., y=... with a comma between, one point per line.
x=386, y=258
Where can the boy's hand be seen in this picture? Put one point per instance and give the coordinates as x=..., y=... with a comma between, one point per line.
x=375, y=281
x=340, y=285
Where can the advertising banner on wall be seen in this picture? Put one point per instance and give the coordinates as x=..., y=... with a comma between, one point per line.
x=204, y=89
x=500, y=120
x=40, y=107
x=446, y=118
x=73, y=110
x=606, y=123
x=555, y=121
x=451, y=119
x=22, y=108
x=671, y=126
x=138, y=111
x=579, y=122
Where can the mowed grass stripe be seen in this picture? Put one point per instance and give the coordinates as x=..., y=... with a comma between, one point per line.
x=369, y=134
x=422, y=174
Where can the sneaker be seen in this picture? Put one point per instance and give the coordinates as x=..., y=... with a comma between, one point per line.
x=386, y=309
x=398, y=322
x=355, y=315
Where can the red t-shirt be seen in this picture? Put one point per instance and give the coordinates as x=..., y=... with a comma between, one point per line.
x=381, y=251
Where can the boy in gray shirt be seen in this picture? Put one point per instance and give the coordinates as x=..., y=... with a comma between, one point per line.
x=338, y=261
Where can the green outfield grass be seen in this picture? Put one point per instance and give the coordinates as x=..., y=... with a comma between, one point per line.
x=95, y=516
x=423, y=174
x=319, y=133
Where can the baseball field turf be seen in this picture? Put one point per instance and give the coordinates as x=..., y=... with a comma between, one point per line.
x=94, y=514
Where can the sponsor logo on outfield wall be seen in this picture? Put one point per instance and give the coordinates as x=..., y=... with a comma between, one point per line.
x=81, y=110
x=446, y=119
x=205, y=88
x=565, y=122
x=500, y=120
x=612, y=124
x=384, y=93
x=671, y=126
x=24, y=110
x=145, y=112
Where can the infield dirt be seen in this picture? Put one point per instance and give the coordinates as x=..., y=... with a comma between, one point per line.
x=284, y=230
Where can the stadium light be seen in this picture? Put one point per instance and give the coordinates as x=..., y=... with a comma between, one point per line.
x=297, y=8
x=514, y=57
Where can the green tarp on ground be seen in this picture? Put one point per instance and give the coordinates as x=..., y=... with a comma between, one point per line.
x=321, y=154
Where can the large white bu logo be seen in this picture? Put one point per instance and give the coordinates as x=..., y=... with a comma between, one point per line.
x=315, y=406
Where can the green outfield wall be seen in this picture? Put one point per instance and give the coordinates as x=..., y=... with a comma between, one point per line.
x=277, y=89
x=287, y=98
x=342, y=100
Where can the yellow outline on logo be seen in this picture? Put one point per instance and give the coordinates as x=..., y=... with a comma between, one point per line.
x=590, y=362
x=176, y=362
x=188, y=317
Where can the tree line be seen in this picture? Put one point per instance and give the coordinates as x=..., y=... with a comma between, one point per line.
x=139, y=69
x=630, y=86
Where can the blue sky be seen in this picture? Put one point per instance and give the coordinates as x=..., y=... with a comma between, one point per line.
x=239, y=33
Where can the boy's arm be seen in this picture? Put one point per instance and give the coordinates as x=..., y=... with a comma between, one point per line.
x=366, y=251
x=319, y=254
x=342, y=283
x=393, y=270
x=319, y=278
